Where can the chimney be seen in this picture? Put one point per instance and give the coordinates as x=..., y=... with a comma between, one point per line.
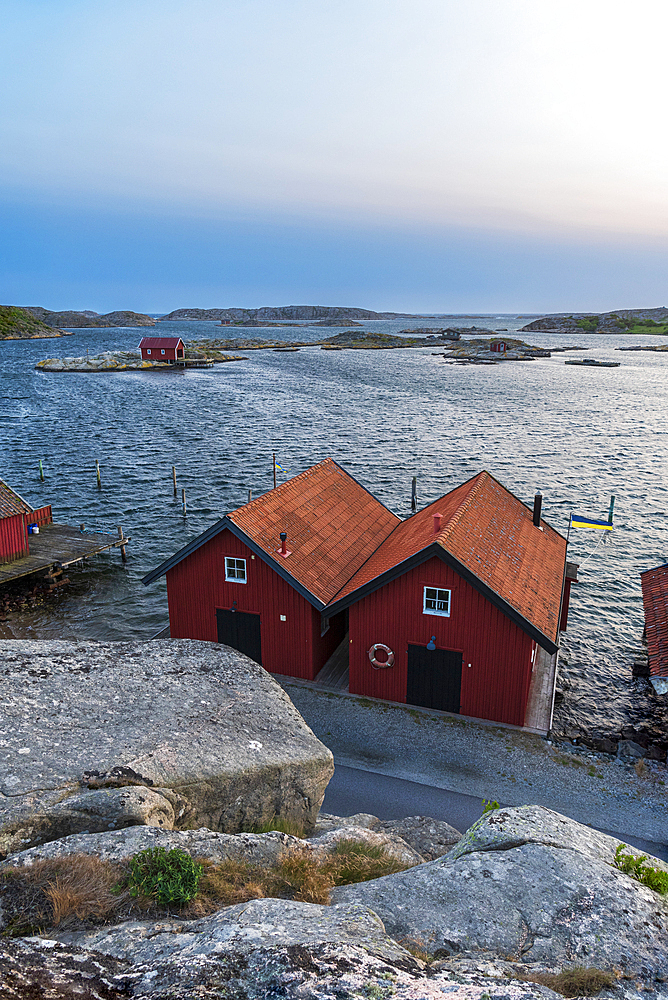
x=284, y=551
x=537, y=504
x=437, y=523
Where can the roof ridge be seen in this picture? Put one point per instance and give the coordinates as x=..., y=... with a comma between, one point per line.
x=464, y=506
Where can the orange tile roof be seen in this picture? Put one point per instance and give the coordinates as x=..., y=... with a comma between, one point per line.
x=491, y=533
x=655, y=599
x=333, y=525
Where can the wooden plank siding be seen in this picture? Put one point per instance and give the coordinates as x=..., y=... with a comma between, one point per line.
x=40, y=517
x=496, y=684
x=196, y=586
x=13, y=537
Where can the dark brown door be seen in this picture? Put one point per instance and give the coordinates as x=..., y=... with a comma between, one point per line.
x=241, y=631
x=434, y=678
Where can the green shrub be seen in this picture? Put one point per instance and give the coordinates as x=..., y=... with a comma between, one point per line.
x=167, y=876
x=634, y=865
x=489, y=805
x=588, y=324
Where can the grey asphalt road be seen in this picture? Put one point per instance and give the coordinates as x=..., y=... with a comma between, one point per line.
x=465, y=761
x=353, y=790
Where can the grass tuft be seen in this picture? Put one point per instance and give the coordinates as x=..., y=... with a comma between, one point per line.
x=56, y=891
x=576, y=982
x=634, y=865
x=282, y=825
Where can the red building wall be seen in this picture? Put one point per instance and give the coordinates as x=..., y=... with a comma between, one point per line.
x=196, y=587
x=40, y=517
x=495, y=686
x=13, y=537
x=157, y=355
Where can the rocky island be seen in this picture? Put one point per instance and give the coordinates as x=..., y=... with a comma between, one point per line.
x=75, y=320
x=250, y=317
x=635, y=321
x=126, y=361
x=21, y=324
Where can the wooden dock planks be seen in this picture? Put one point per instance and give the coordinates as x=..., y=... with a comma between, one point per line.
x=58, y=543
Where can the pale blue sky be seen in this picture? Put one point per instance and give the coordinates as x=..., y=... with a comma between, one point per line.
x=424, y=155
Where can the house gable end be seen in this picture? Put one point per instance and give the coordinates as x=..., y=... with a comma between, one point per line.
x=423, y=556
x=225, y=524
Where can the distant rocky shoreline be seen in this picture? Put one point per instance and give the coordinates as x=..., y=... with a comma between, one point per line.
x=634, y=321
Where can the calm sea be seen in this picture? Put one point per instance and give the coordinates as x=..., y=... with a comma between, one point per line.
x=578, y=435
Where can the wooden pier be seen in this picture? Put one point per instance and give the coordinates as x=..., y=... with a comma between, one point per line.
x=59, y=546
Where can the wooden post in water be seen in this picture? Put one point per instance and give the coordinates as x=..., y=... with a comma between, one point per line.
x=250, y=495
x=41, y=471
x=274, y=457
x=183, y=501
x=82, y=528
x=174, y=478
x=97, y=469
x=120, y=535
x=414, y=494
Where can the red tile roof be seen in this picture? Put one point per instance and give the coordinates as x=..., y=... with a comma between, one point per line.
x=11, y=503
x=655, y=599
x=491, y=533
x=333, y=525
x=160, y=342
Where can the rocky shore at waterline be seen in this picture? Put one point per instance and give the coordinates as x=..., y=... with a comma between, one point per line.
x=186, y=750
x=125, y=361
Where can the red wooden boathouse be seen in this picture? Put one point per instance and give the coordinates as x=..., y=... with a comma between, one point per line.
x=16, y=517
x=170, y=349
x=655, y=601
x=453, y=608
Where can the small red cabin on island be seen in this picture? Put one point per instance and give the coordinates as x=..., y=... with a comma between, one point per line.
x=16, y=519
x=457, y=608
x=169, y=349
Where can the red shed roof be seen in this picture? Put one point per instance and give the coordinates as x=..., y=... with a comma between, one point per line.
x=160, y=342
x=488, y=532
x=11, y=503
x=333, y=525
x=655, y=599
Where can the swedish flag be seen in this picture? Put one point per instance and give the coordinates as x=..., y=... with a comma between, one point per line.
x=589, y=522
x=279, y=468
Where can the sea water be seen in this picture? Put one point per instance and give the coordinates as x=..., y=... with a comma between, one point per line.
x=579, y=435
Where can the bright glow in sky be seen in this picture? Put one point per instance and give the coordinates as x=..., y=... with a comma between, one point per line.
x=515, y=117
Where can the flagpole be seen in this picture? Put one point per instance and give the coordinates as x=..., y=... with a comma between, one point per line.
x=274, y=470
x=570, y=518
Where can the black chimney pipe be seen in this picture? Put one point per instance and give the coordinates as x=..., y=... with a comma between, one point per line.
x=537, y=504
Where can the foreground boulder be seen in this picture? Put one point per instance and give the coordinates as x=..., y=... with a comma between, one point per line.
x=528, y=884
x=327, y=967
x=174, y=733
x=430, y=838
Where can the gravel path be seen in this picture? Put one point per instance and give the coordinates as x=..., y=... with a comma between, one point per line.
x=489, y=761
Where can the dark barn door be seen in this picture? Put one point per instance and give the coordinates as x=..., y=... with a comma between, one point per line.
x=240, y=631
x=434, y=678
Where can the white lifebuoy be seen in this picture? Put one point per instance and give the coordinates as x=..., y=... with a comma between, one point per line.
x=376, y=664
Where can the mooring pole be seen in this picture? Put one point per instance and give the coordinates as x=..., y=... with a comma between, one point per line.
x=612, y=507
x=174, y=478
x=97, y=469
x=250, y=495
x=414, y=494
x=120, y=535
x=274, y=457
x=183, y=501
x=41, y=471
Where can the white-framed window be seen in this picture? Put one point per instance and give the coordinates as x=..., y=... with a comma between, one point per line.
x=324, y=626
x=162, y=351
x=148, y=350
x=235, y=569
x=436, y=601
